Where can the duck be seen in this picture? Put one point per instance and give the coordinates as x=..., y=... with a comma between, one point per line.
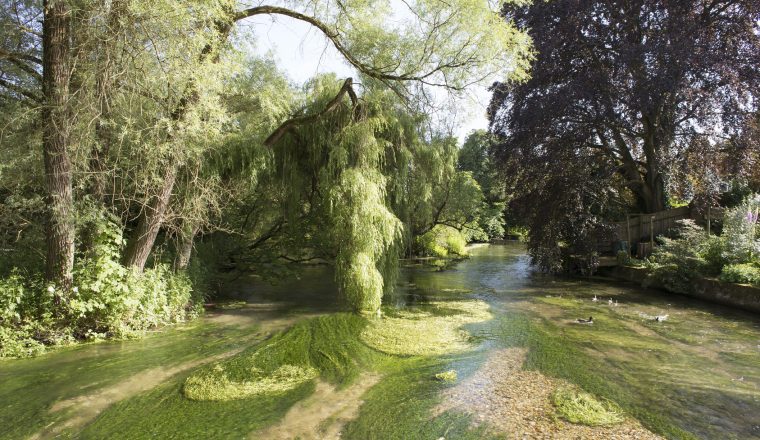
x=595, y=299
x=660, y=318
x=590, y=320
x=609, y=301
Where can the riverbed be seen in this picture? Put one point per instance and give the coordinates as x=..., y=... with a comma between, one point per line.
x=695, y=374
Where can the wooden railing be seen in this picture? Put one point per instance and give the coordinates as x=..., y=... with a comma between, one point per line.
x=641, y=230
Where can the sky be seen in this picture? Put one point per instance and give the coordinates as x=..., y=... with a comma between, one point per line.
x=302, y=52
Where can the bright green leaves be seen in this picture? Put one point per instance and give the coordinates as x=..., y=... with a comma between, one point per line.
x=365, y=229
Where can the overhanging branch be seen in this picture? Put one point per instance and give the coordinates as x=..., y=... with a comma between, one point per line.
x=346, y=89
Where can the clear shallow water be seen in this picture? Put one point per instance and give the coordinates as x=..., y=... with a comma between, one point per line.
x=700, y=369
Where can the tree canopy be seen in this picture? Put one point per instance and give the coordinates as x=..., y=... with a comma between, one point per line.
x=620, y=92
x=135, y=135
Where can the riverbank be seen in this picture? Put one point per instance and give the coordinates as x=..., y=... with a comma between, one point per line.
x=741, y=296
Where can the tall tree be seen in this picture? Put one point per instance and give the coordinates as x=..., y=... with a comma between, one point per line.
x=56, y=116
x=631, y=83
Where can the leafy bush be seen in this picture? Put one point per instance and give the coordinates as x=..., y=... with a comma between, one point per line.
x=12, y=295
x=741, y=233
x=442, y=241
x=746, y=273
x=733, y=256
x=108, y=300
x=676, y=261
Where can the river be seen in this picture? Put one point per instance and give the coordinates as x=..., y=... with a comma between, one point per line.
x=695, y=374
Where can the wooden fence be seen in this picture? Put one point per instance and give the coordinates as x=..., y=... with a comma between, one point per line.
x=641, y=230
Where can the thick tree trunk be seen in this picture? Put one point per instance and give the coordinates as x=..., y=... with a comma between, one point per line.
x=149, y=223
x=60, y=228
x=648, y=187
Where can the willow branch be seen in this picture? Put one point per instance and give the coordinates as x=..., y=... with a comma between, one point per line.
x=334, y=37
x=288, y=125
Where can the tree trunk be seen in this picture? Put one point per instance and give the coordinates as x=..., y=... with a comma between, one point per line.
x=143, y=238
x=185, y=247
x=648, y=187
x=55, y=139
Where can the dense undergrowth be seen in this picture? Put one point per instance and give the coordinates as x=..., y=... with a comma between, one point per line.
x=733, y=257
x=109, y=300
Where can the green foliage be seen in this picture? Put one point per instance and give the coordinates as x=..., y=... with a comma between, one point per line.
x=442, y=241
x=693, y=253
x=746, y=273
x=741, y=232
x=580, y=407
x=365, y=230
x=108, y=300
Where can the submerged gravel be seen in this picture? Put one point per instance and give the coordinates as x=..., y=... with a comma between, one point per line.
x=517, y=403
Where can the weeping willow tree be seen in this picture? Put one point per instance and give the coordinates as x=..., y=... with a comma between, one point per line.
x=141, y=106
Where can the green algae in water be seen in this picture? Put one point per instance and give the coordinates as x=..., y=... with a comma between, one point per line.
x=553, y=354
x=29, y=388
x=407, y=396
x=217, y=386
x=326, y=346
x=580, y=407
x=432, y=331
x=447, y=376
x=330, y=345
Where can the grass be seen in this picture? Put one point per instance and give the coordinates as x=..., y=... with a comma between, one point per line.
x=580, y=407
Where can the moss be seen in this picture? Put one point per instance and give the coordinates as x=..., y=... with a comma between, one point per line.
x=434, y=331
x=580, y=407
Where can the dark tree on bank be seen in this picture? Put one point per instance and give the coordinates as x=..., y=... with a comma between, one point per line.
x=619, y=90
x=630, y=83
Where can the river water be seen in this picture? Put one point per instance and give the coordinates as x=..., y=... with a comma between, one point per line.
x=699, y=370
